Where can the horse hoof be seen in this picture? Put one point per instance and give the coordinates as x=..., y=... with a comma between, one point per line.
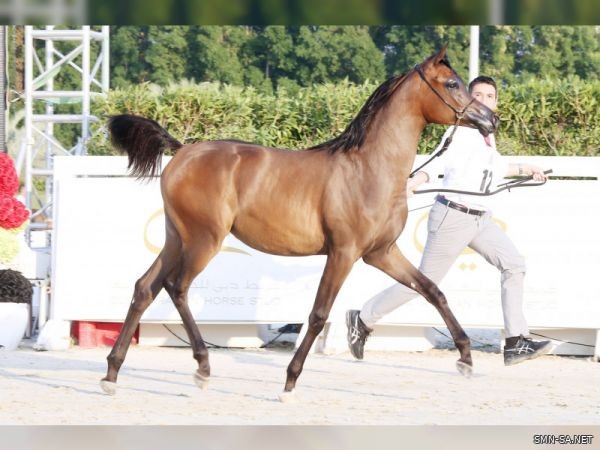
x=201, y=381
x=108, y=387
x=464, y=369
x=288, y=397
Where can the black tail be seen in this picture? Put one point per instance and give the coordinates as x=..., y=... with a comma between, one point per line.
x=143, y=140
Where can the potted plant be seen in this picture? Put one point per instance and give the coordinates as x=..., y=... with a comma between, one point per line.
x=15, y=290
x=15, y=300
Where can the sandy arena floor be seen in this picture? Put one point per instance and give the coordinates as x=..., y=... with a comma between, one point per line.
x=387, y=388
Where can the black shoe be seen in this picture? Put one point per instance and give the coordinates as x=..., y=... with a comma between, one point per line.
x=525, y=349
x=358, y=333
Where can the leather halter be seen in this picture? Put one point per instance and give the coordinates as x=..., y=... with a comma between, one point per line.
x=459, y=115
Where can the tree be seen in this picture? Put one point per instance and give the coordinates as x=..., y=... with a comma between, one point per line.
x=214, y=53
x=166, y=54
x=358, y=56
x=557, y=52
x=405, y=46
x=334, y=53
x=586, y=47
x=271, y=50
x=269, y=56
x=498, y=47
x=127, y=47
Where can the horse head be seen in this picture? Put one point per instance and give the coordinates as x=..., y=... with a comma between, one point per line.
x=442, y=85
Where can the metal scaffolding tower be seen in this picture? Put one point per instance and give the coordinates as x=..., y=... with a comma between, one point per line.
x=42, y=94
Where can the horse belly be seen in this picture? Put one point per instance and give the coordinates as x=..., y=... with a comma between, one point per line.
x=286, y=235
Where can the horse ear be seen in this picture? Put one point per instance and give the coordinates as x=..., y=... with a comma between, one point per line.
x=441, y=55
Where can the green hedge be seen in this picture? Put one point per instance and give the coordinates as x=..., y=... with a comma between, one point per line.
x=541, y=118
x=551, y=118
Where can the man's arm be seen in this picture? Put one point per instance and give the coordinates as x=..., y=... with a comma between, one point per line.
x=525, y=170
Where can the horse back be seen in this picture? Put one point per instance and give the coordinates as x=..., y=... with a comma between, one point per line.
x=272, y=199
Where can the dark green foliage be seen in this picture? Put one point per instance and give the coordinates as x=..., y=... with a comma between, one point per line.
x=537, y=118
x=127, y=48
x=213, y=53
x=338, y=12
x=14, y=287
x=559, y=118
x=296, y=86
x=260, y=56
x=405, y=46
x=244, y=55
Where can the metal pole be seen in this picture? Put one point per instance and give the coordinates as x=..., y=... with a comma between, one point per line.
x=474, y=53
x=18, y=8
x=105, y=59
x=49, y=111
x=85, y=67
x=43, y=313
x=58, y=12
x=28, y=114
x=496, y=9
x=79, y=11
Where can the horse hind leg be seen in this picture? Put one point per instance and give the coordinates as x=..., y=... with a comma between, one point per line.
x=146, y=290
x=393, y=263
x=177, y=285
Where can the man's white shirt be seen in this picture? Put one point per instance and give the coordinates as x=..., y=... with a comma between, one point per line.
x=469, y=164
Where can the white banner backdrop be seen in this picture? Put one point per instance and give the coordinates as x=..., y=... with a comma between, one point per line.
x=110, y=227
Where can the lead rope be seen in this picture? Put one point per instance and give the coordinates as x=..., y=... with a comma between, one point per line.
x=441, y=151
x=521, y=182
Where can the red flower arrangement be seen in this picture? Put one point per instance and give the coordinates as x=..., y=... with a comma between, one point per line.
x=12, y=212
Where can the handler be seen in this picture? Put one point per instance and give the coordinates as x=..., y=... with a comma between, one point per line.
x=471, y=163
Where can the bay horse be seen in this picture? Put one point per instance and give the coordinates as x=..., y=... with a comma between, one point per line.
x=344, y=198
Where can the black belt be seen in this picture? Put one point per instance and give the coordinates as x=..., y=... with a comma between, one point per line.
x=459, y=207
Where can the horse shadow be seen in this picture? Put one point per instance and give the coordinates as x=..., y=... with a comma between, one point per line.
x=28, y=365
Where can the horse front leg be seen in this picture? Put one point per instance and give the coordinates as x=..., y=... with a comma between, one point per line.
x=392, y=262
x=336, y=270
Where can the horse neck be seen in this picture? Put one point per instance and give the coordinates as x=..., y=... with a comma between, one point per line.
x=391, y=144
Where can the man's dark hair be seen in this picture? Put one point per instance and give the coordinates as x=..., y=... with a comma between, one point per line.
x=485, y=80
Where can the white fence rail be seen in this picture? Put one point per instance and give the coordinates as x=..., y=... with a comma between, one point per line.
x=109, y=228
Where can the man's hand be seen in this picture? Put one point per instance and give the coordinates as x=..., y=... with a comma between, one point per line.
x=413, y=183
x=524, y=170
x=537, y=173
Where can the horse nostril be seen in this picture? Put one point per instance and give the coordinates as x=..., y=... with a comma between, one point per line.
x=495, y=121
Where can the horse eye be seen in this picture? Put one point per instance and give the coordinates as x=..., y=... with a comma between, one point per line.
x=452, y=84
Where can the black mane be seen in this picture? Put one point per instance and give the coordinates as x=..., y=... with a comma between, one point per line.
x=354, y=134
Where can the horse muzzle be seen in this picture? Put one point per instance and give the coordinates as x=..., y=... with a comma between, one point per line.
x=485, y=123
